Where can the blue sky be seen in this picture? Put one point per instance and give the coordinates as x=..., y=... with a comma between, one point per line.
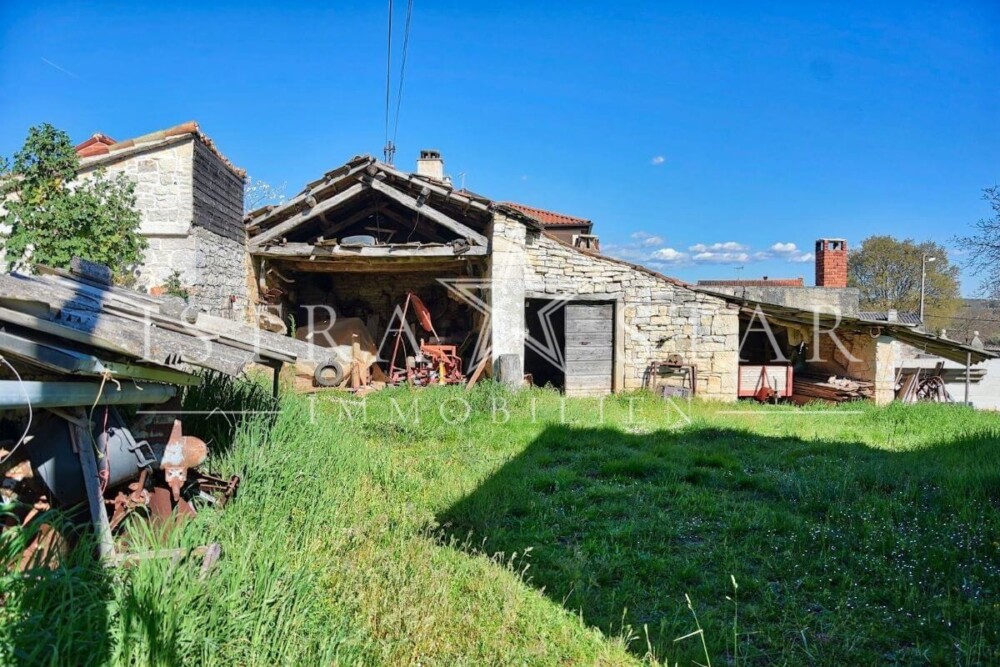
x=699, y=139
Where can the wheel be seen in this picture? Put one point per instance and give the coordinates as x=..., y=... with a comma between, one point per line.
x=329, y=374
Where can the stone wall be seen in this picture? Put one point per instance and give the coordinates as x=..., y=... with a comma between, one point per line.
x=163, y=178
x=841, y=300
x=659, y=316
x=191, y=210
x=164, y=186
x=220, y=284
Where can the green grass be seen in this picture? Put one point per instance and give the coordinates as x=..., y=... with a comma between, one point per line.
x=569, y=534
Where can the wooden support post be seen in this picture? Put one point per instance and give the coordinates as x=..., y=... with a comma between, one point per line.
x=83, y=440
x=276, y=380
x=968, y=366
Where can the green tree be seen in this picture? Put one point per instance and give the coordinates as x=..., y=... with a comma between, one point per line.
x=53, y=218
x=984, y=245
x=887, y=271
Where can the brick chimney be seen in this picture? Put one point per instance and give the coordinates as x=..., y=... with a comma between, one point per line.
x=430, y=165
x=831, y=263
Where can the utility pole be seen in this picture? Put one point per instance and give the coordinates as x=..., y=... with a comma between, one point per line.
x=923, y=282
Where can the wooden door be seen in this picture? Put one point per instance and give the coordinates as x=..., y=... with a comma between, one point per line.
x=590, y=347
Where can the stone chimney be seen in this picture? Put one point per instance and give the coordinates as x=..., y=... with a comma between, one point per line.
x=430, y=165
x=831, y=263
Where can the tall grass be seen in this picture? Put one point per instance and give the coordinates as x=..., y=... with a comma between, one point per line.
x=568, y=533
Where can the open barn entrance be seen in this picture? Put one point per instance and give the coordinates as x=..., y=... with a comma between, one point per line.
x=541, y=360
x=801, y=357
x=367, y=242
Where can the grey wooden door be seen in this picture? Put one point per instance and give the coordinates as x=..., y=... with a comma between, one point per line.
x=589, y=353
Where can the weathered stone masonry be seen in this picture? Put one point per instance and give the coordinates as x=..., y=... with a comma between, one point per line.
x=191, y=207
x=658, y=316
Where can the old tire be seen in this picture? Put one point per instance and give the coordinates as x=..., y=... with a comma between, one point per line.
x=329, y=374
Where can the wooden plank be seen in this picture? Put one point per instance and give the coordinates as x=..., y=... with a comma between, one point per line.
x=383, y=265
x=417, y=224
x=84, y=441
x=478, y=373
x=429, y=212
x=589, y=348
x=294, y=221
x=336, y=227
x=61, y=360
x=589, y=353
x=591, y=337
x=588, y=368
x=590, y=311
x=321, y=252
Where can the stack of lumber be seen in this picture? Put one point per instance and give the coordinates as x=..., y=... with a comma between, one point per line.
x=830, y=388
x=77, y=323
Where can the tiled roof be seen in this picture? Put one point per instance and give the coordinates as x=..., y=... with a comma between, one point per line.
x=882, y=316
x=765, y=282
x=548, y=217
x=96, y=148
x=96, y=145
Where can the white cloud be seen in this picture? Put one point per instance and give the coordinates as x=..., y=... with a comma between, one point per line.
x=669, y=255
x=649, y=249
x=658, y=160
x=721, y=257
x=647, y=240
x=728, y=246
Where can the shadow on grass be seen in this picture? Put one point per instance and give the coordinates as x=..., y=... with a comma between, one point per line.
x=841, y=551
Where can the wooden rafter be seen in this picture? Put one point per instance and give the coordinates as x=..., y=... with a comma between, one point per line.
x=428, y=212
x=288, y=225
x=316, y=189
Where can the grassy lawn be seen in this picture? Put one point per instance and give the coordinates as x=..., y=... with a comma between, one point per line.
x=568, y=534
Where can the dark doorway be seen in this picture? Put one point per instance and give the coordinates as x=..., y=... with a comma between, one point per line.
x=545, y=322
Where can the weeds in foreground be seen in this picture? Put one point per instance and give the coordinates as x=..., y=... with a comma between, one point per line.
x=545, y=539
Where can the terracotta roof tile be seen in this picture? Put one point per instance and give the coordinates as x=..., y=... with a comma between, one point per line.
x=101, y=144
x=96, y=145
x=548, y=217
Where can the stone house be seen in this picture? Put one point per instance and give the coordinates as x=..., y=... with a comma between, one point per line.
x=502, y=280
x=510, y=281
x=497, y=280
x=190, y=200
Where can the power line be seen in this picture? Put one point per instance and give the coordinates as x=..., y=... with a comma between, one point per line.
x=402, y=68
x=388, y=150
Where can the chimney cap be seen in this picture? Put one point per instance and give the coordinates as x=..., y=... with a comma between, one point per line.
x=430, y=154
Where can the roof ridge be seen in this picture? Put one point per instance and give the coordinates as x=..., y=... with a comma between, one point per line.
x=546, y=215
x=100, y=145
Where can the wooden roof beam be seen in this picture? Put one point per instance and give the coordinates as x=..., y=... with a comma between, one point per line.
x=288, y=225
x=429, y=212
x=319, y=252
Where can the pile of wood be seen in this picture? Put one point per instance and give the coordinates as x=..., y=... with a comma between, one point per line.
x=51, y=318
x=830, y=388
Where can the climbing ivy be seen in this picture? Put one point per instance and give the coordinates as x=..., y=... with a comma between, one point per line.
x=49, y=217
